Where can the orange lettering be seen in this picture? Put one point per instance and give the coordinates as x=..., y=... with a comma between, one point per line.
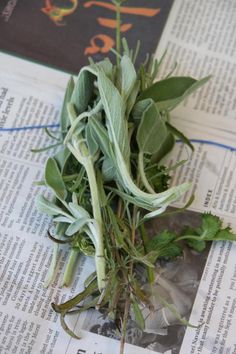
x=142, y=11
x=113, y=24
x=108, y=43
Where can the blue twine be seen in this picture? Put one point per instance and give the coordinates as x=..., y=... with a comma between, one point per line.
x=208, y=142
x=31, y=127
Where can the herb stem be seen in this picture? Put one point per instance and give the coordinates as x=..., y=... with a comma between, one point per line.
x=67, y=278
x=150, y=271
x=82, y=155
x=143, y=175
x=118, y=39
x=99, y=256
x=188, y=237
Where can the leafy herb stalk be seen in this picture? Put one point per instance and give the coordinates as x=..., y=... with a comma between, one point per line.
x=107, y=181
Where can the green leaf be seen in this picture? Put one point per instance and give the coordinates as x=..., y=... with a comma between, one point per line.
x=45, y=206
x=100, y=135
x=179, y=135
x=158, y=177
x=70, y=304
x=108, y=170
x=197, y=245
x=62, y=219
x=168, y=93
x=211, y=225
x=225, y=235
x=76, y=226
x=77, y=211
x=84, y=245
x=54, y=179
x=138, y=315
x=152, y=131
x=167, y=89
x=61, y=157
x=128, y=76
x=106, y=66
x=139, y=108
x=90, y=140
x=83, y=91
x=114, y=107
x=166, y=146
x=132, y=98
x=64, y=119
x=164, y=244
x=161, y=239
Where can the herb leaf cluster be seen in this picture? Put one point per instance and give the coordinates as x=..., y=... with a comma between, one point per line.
x=107, y=181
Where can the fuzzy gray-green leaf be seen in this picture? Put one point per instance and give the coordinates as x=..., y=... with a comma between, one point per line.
x=90, y=140
x=78, y=212
x=46, y=206
x=168, y=93
x=64, y=119
x=152, y=131
x=54, y=179
x=76, y=226
x=114, y=107
x=83, y=91
x=128, y=76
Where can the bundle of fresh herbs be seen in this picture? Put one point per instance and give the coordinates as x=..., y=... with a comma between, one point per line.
x=107, y=182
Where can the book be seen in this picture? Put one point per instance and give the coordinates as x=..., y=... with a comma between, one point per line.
x=63, y=34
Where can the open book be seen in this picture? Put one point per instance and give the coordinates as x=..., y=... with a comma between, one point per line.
x=200, y=37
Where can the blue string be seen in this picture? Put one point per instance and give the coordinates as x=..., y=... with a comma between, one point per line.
x=208, y=142
x=31, y=127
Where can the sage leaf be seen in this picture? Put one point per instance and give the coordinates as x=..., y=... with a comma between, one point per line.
x=165, y=148
x=46, y=206
x=180, y=135
x=54, y=179
x=114, y=107
x=83, y=91
x=100, y=134
x=78, y=212
x=168, y=93
x=132, y=98
x=61, y=157
x=108, y=170
x=62, y=219
x=76, y=226
x=152, y=131
x=128, y=76
x=64, y=119
x=90, y=140
x=139, y=108
x=106, y=66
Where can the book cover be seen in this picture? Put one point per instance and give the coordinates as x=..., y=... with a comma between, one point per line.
x=64, y=33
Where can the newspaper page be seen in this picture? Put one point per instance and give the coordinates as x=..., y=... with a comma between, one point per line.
x=27, y=323
x=200, y=38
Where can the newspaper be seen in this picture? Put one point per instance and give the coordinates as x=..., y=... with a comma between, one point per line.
x=202, y=285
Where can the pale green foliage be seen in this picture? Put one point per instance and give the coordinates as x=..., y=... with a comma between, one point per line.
x=115, y=127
